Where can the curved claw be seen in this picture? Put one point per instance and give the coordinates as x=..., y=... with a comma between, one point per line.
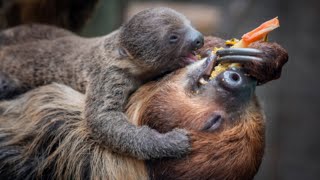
x=239, y=51
x=238, y=59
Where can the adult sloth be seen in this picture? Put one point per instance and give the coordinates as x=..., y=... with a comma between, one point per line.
x=43, y=134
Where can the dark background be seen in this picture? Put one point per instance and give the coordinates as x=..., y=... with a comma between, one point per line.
x=292, y=103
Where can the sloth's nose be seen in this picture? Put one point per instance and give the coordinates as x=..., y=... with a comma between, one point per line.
x=237, y=82
x=197, y=40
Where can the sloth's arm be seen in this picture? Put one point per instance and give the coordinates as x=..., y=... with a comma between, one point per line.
x=274, y=57
x=107, y=95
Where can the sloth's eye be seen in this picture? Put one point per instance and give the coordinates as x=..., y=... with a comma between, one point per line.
x=173, y=38
x=213, y=123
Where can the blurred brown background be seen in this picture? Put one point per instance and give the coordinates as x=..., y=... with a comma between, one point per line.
x=292, y=103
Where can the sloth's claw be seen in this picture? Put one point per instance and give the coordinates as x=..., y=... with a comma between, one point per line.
x=239, y=51
x=238, y=59
x=239, y=55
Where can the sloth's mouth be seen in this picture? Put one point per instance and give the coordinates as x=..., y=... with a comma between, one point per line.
x=205, y=76
x=212, y=70
x=230, y=78
x=228, y=86
x=191, y=57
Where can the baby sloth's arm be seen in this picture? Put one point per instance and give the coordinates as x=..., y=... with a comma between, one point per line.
x=107, y=96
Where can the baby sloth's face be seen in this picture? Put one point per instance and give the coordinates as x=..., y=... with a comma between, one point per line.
x=161, y=39
x=223, y=116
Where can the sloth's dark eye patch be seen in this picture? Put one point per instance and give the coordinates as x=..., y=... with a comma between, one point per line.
x=173, y=38
x=213, y=123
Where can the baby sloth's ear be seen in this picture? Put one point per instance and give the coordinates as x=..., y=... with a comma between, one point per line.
x=124, y=53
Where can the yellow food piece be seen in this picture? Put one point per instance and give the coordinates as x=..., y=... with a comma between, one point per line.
x=219, y=69
x=223, y=67
x=217, y=49
x=231, y=42
x=240, y=44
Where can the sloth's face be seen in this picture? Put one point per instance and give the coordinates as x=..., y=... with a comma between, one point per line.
x=161, y=39
x=222, y=114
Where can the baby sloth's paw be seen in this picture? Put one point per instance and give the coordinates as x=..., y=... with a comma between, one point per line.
x=273, y=58
x=178, y=141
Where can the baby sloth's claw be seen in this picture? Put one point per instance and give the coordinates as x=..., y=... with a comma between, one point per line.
x=239, y=55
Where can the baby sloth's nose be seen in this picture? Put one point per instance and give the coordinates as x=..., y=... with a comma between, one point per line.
x=197, y=40
x=237, y=82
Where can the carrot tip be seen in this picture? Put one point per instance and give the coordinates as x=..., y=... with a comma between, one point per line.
x=261, y=31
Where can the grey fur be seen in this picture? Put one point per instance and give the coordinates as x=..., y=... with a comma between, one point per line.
x=108, y=69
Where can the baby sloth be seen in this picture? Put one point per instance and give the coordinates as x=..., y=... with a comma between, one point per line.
x=107, y=69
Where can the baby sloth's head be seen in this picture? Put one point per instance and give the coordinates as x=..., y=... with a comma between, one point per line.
x=223, y=116
x=160, y=39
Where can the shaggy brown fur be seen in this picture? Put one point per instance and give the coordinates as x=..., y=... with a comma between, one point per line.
x=234, y=151
x=108, y=69
x=44, y=136
x=43, y=133
x=68, y=14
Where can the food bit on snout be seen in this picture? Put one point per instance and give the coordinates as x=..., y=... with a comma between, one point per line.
x=216, y=69
x=231, y=42
x=223, y=66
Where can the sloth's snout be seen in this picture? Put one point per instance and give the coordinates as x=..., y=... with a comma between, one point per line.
x=197, y=40
x=237, y=83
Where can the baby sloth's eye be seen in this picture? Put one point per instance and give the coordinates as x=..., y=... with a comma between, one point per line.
x=173, y=38
x=213, y=123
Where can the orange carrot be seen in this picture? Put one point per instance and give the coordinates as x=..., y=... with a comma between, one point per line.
x=258, y=33
x=248, y=38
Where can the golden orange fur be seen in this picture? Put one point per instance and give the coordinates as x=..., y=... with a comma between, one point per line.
x=235, y=152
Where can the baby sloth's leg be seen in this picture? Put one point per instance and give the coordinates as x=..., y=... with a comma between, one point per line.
x=8, y=87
